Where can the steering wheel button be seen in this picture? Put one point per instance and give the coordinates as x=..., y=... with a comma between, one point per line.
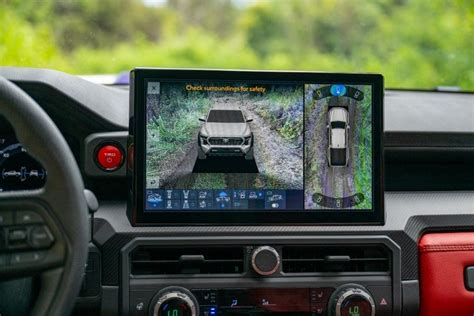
x=109, y=157
x=28, y=217
x=6, y=218
x=16, y=235
x=40, y=237
x=27, y=257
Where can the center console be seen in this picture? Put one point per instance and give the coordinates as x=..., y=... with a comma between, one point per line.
x=353, y=276
x=247, y=148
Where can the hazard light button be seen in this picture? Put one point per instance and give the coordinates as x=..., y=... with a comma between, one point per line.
x=383, y=299
x=109, y=157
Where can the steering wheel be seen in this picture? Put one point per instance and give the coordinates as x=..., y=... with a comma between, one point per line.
x=44, y=231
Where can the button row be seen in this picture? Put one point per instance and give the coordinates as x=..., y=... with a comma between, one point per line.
x=250, y=299
x=22, y=258
x=319, y=299
x=8, y=218
x=25, y=237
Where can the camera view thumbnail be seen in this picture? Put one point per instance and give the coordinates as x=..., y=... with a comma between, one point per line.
x=338, y=146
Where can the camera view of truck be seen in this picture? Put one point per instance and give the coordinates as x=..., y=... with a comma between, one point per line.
x=225, y=133
x=338, y=133
x=338, y=146
x=224, y=136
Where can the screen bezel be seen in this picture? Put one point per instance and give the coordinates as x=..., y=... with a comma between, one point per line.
x=137, y=144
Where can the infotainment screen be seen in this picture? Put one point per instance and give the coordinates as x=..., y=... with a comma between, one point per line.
x=246, y=147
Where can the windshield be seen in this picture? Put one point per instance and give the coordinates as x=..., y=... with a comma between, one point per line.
x=225, y=116
x=413, y=43
x=338, y=124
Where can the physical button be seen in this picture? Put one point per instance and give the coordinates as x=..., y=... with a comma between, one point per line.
x=265, y=260
x=109, y=157
x=382, y=296
x=321, y=295
x=16, y=235
x=469, y=278
x=205, y=296
x=28, y=217
x=41, y=237
x=27, y=257
x=139, y=302
x=319, y=299
x=234, y=299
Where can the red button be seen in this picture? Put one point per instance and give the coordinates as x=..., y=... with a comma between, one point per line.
x=109, y=157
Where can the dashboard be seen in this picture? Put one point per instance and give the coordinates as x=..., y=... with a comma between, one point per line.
x=281, y=268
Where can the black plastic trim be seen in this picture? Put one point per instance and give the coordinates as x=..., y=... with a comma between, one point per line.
x=428, y=139
x=267, y=240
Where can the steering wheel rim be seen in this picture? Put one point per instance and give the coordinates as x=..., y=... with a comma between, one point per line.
x=61, y=203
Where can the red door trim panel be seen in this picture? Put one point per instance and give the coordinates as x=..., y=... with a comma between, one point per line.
x=443, y=259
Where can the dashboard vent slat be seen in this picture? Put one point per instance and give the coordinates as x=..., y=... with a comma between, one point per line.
x=156, y=260
x=320, y=259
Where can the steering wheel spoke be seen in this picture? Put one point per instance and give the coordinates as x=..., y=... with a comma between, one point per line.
x=30, y=239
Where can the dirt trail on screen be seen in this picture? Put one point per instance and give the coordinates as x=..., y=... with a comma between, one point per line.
x=320, y=177
x=278, y=160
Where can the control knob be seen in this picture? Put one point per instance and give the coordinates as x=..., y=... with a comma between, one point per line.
x=265, y=260
x=352, y=300
x=174, y=301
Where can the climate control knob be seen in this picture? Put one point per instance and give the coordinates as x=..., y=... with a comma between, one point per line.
x=174, y=301
x=352, y=300
x=265, y=260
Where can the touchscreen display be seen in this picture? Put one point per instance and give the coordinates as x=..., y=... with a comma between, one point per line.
x=241, y=146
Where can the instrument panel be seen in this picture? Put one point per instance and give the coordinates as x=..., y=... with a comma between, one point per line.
x=18, y=170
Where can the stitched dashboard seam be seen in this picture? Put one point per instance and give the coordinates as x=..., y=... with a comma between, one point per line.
x=441, y=248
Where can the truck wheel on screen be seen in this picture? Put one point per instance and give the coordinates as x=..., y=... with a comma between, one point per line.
x=201, y=154
x=249, y=154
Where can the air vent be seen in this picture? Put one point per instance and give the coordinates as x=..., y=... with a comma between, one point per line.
x=153, y=260
x=335, y=259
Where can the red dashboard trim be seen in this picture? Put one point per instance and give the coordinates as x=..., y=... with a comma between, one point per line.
x=443, y=259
